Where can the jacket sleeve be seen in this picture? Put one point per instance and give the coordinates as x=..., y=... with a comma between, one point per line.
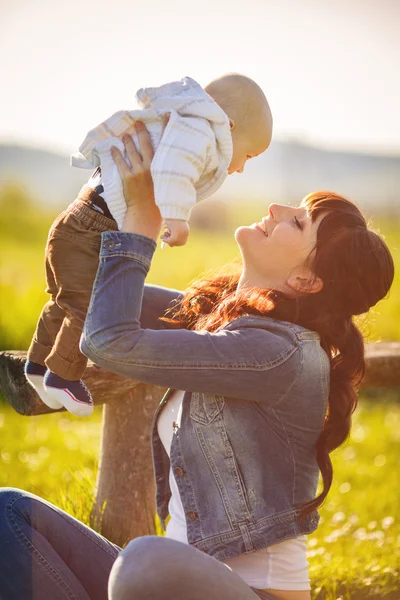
x=178, y=163
x=156, y=301
x=239, y=362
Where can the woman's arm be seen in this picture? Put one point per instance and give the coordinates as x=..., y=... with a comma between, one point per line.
x=142, y=215
x=156, y=301
x=245, y=362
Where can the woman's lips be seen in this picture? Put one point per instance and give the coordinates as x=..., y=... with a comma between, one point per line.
x=261, y=229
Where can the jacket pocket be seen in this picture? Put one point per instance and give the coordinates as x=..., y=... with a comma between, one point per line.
x=204, y=408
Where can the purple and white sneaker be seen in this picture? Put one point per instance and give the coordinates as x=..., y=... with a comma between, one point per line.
x=34, y=374
x=73, y=395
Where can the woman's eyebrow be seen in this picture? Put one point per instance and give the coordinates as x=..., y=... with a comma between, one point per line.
x=305, y=220
x=306, y=212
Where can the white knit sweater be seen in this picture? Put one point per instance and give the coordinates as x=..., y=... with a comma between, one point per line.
x=191, y=158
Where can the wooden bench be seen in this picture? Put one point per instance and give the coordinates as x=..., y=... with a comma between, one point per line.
x=125, y=495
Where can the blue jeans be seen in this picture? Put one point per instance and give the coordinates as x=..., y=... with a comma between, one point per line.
x=45, y=554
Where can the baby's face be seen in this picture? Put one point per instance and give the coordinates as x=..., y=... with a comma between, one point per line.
x=248, y=144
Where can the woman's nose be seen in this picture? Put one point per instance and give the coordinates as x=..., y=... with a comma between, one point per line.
x=280, y=212
x=273, y=210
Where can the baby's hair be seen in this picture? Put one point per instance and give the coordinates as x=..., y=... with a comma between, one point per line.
x=240, y=97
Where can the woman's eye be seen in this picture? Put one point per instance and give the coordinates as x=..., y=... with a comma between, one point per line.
x=298, y=224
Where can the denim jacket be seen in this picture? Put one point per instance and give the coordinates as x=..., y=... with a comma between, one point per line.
x=256, y=394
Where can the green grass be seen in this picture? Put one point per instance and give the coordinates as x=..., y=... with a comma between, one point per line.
x=355, y=553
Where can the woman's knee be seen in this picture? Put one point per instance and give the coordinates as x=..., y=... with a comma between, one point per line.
x=143, y=553
x=133, y=567
x=8, y=495
x=157, y=567
x=8, y=498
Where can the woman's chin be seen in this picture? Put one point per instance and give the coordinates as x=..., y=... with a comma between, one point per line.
x=242, y=233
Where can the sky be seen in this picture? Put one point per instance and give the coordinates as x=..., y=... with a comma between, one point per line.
x=329, y=68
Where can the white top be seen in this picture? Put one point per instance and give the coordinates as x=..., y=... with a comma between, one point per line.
x=191, y=158
x=282, y=566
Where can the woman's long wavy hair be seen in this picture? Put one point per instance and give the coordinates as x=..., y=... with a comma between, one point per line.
x=357, y=270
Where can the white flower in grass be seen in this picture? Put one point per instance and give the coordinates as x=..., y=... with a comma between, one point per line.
x=349, y=453
x=380, y=460
x=345, y=487
x=313, y=542
x=354, y=519
x=5, y=456
x=376, y=535
x=338, y=517
x=360, y=533
x=387, y=522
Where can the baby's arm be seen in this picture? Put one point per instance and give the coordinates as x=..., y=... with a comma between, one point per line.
x=175, y=232
x=178, y=164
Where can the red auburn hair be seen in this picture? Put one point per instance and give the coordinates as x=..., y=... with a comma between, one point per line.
x=357, y=270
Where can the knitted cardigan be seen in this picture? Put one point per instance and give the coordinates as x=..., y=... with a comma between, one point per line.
x=191, y=158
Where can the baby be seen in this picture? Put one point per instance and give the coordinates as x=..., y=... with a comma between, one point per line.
x=210, y=133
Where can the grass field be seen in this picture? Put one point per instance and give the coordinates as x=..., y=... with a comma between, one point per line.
x=355, y=552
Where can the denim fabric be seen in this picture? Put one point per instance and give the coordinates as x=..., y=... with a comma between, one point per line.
x=182, y=573
x=48, y=555
x=243, y=452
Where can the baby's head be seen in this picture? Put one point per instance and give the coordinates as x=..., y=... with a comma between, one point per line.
x=249, y=115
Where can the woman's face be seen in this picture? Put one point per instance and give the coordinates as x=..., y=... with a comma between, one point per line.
x=277, y=251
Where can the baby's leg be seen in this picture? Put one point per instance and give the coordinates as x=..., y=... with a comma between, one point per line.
x=73, y=253
x=47, y=328
x=55, y=363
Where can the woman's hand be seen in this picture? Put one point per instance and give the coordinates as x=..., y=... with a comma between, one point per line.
x=143, y=215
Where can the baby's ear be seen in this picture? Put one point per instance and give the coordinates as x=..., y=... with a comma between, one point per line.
x=232, y=124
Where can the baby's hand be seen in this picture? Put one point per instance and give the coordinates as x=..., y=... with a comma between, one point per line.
x=176, y=232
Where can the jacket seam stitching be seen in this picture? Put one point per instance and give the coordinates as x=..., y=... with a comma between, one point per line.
x=289, y=389
x=35, y=552
x=242, y=366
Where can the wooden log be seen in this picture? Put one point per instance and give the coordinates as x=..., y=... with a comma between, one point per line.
x=125, y=492
x=382, y=370
x=382, y=361
x=104, y=386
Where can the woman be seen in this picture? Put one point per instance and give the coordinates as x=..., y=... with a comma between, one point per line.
x=269, y=362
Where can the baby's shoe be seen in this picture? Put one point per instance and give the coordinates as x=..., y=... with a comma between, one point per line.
x=73, y=395
x=34, y=374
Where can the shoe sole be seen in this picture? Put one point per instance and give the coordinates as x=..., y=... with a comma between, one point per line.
x=70, y=402
x=36, y=381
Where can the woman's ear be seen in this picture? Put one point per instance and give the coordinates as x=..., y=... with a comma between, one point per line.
x=305, y=282
x=232, y=124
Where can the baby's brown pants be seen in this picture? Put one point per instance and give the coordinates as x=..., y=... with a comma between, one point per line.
x=71, y=259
